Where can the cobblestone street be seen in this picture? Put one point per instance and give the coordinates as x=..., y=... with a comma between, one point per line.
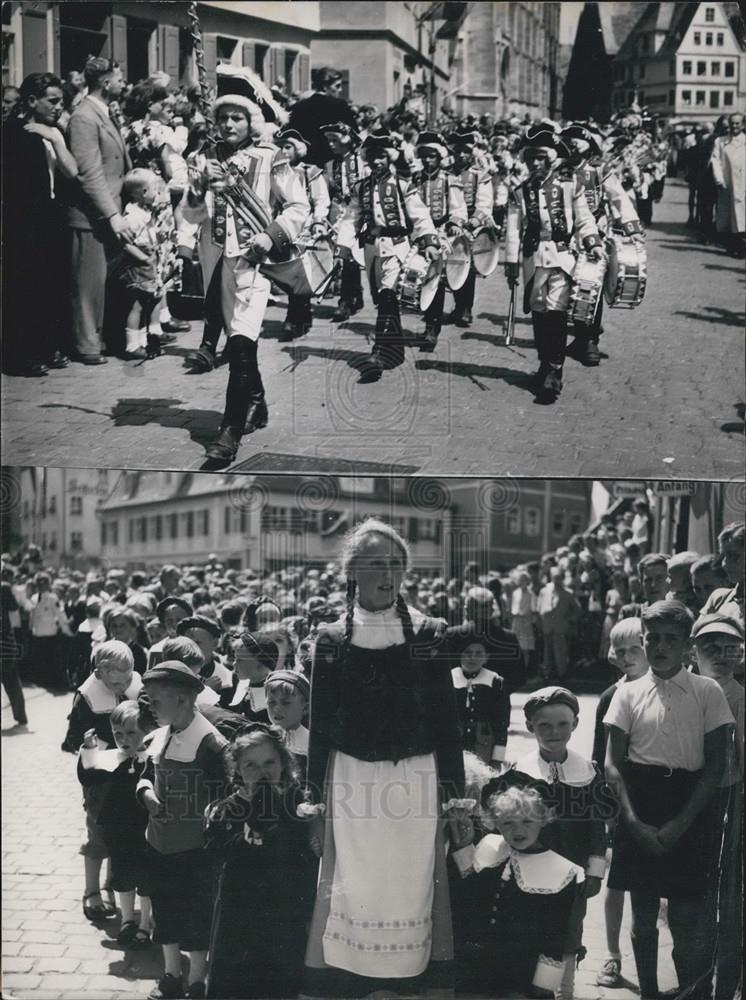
x=51, y=952
x=663, y=403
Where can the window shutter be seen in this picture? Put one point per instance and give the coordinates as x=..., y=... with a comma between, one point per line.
x=118, y=39
x=304, y=71
x=210, y=47
x=168, y=51
x=248, y=55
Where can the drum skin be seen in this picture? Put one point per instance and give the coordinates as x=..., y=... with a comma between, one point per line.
x=458, y=262
x=485, y=252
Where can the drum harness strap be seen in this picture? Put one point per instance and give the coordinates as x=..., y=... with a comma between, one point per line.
x=398, y=225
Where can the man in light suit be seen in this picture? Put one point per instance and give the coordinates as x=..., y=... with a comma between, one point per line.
x=95, y=211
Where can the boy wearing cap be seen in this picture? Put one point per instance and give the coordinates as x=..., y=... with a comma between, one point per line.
x=385, y=216
x=250, y=204
x=299, y=316
x=718, y=650
x=580, y=800
x=443, y=196
x=185, y=773
x=668, y=734
x=545, y=214
x=344, y=172
x=255, y=656
x=479, y=200
x=612, y=209
x=208, y=634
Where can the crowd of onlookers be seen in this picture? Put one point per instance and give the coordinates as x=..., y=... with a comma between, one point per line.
x=712, y=159
x=561, y=608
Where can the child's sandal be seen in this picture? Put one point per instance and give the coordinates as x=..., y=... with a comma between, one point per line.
x=97, y=912
x=127, y=933
x=140, y=940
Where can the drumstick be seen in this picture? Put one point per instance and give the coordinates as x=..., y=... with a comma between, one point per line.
x=511, y=318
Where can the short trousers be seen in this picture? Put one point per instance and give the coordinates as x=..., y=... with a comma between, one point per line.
x=182, y=897
x=129, y=872
x=95, y=845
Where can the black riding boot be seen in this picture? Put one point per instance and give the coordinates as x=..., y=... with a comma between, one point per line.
x=553, y=339
x=245, y=390
x=434, y=319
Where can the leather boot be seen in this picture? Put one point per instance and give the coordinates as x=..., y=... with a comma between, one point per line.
x=646, y=959
x=342, y=313
x=224, y=448
x=258, y=415
x=201, y=360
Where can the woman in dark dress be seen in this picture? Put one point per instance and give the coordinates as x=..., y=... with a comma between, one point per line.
x=267, y=873
x=384, y=764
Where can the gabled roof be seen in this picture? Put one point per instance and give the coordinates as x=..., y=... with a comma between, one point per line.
x=674, y=19
x=617, y=21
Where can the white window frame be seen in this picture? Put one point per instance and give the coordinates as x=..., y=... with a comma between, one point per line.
x=709, y=15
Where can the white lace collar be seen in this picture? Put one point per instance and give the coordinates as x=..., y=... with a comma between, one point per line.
x=575, y=770
x=545, y=872
x=482, y=676
x=183, y=745
x=381, y=629
x=101, y=700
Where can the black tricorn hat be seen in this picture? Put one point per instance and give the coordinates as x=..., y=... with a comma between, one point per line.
x=545, y=140
x=578, y=130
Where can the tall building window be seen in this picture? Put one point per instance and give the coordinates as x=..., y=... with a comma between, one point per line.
x=715, y=68
x=697, y=38
x=513, y=522
x=76, y=506
x=686, y=67
x=708, y=38
x=700, y=98
x=532, y=521
x=686, y=98
x=728, y=99
x=730, y=69
x=702, y=68
x=53, y=505
x=672, y=97
x=714, y=98
x=642, y=71
x=173, y=525
x=720, y=38
x=709, y=15
x=76, y=541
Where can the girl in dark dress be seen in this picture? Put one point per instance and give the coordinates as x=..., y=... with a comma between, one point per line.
x=268, y=873
x=516, y=897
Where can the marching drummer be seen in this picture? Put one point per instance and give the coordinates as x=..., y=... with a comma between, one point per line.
x=479, y=198
x=250, y=203
x=385, y=214
x=299, y=315
x=443, y=195
x=343, y=174
x=612, y=209
x=544, y=214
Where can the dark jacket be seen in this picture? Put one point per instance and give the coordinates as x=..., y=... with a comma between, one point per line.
x=309, y=115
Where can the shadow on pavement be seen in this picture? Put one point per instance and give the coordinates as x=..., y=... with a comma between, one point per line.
x=201, y=424
x=300, y=353
x=688, y=246
x=522, y=380
x=497, y=340
x=725, y=316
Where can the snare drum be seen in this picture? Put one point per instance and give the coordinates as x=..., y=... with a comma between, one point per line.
x=418, y=282
x=318, y=259
x=588, y=283
x=458, y=262
x=485, y=253
x=627, y=275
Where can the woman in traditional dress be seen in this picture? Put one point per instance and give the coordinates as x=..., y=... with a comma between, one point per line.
x=384, y=767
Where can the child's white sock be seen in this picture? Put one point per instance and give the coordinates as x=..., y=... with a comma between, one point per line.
x=566, y=988
x=135, y=339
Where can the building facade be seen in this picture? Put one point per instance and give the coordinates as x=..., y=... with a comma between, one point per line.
x=684, y=60
x=59, y=512
x=380, y=47
x=267, y=522
x=272, y=38
x=507, y=60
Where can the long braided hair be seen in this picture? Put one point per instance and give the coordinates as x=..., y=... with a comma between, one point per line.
x=354, y=542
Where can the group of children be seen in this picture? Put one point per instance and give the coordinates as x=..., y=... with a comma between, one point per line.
x=193, y=780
